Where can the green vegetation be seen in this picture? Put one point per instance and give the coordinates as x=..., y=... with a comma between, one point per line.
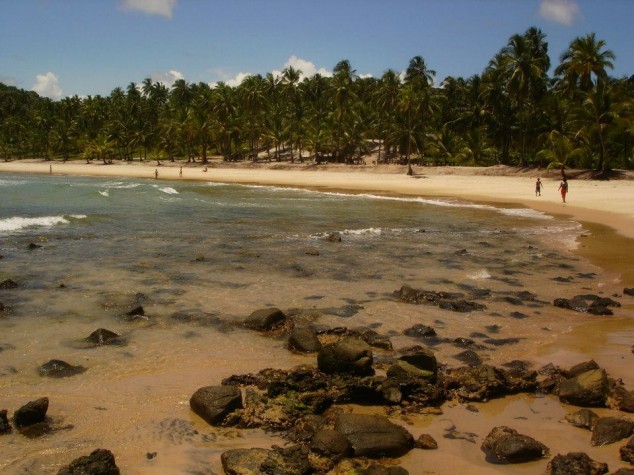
x=513, y=113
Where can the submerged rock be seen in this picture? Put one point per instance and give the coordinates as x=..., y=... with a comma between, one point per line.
x=99, y=462
x=214, y=403
x=506, y=445
x=31, y=413
x=374, y=436
x=8, y=284
x=102, y=336
x=265, y=319
x=288, y=461
x=584, y=418
x=575, y=463
x=59, y=369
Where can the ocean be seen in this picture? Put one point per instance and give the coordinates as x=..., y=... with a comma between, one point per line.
x=200, y=257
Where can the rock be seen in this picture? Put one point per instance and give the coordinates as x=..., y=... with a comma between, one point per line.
x=575, y=463
x=312, y=251
x=102, y=336
x=287, y=461
x=99, y=462
x=462, y=306
x=426, y=442
x=403, y=369
x=479, y=383
x=8, y=284
x=375, y=340
x=5, y=427
x=420, y=357
x=348, y=355
x=333, y=237
x=33, y=246
x=624, y=471
x=2, y=307
x=265, y=319
x=381, y=470
x=31, y=413
x=469, y=357
x=214, y=403
x=136, y=313
x=629, y=291
x=420, y=331
x=59, y=369
x=588, y=389
x=506, y=445
x=374, y=436
x=304, y=338
x=580, y=368
x=584, y=418
x=627, y=451
x=621, y=399
x=608, y=430
x=332, y=444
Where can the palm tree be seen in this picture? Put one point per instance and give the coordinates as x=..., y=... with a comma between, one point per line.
x=585, y=63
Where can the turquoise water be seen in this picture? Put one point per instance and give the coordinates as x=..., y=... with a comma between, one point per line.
x=200, y=258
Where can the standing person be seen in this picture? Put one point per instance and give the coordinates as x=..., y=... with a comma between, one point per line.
x=563, y=187
x=50, y=169
x=156, y=173
x=538, y=187
x=180, y=172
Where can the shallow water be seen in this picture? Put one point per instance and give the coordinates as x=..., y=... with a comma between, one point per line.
x=201, y=257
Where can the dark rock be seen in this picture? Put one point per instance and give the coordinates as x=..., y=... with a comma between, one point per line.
x=265, y=319
x=621, y=399
x=506, y=445
x=31, y=413
x=282, y=461
x=349, y=355
x=627, y=451
x=403, y=369
x=333, y=237
x=624, y=471
x=501, y=341
x=214, y=403
x=304, y=338
x=580, y=368
x=420, y=331
x=469, y=357
x=32, y=246
x=375, y=340
x=575, y=463
x=629, y=291
x=421, y=358
x=608, y=430
x=381, y=470
x=2, y=307
x=584, y=418
x=599, y=310
x=426, y=442
x=306, y=428
x=374, y=436
x=136, y=313
x=8, y=284
x=462, y=306
x=5, y=427
x=59, y=369
x=482, y=383
x=588, y=389
x=101, y=336
x=99, y=462
x=332, y=444
x=312, y=252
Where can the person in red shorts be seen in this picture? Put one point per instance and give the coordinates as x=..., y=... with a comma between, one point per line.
x=563, y=187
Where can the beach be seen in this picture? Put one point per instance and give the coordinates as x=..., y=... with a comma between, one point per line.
x=162, y=379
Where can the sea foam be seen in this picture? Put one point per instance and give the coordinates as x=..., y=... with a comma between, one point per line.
x=17, y=223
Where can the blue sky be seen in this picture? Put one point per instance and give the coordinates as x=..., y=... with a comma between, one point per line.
x=87, y=47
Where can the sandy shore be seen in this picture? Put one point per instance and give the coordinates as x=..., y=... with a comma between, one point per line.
x=609, y=203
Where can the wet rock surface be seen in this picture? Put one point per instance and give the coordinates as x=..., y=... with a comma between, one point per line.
x=505, y=445
x=59, y=369
x=575, y=463
x=99, y=462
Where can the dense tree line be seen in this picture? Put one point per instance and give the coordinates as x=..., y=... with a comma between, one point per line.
x=512, y=113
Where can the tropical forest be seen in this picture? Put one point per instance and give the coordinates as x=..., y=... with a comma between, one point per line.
x=522, y=110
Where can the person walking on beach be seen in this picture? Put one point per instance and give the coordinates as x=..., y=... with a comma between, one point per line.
x=563, y=187
x=538, y=187
x=156, y=173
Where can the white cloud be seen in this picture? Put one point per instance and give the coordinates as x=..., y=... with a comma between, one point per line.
x=47, y=85
x=167, y=79
x=307, y=68
x=559, y=11
x=151, y=7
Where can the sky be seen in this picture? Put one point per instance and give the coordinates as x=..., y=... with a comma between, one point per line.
x=62, y=48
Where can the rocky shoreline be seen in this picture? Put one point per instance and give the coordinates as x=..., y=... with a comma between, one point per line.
x=308, y=406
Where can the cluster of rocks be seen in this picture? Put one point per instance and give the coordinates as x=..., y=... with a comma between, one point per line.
x=588, y=303
x=304, y=403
